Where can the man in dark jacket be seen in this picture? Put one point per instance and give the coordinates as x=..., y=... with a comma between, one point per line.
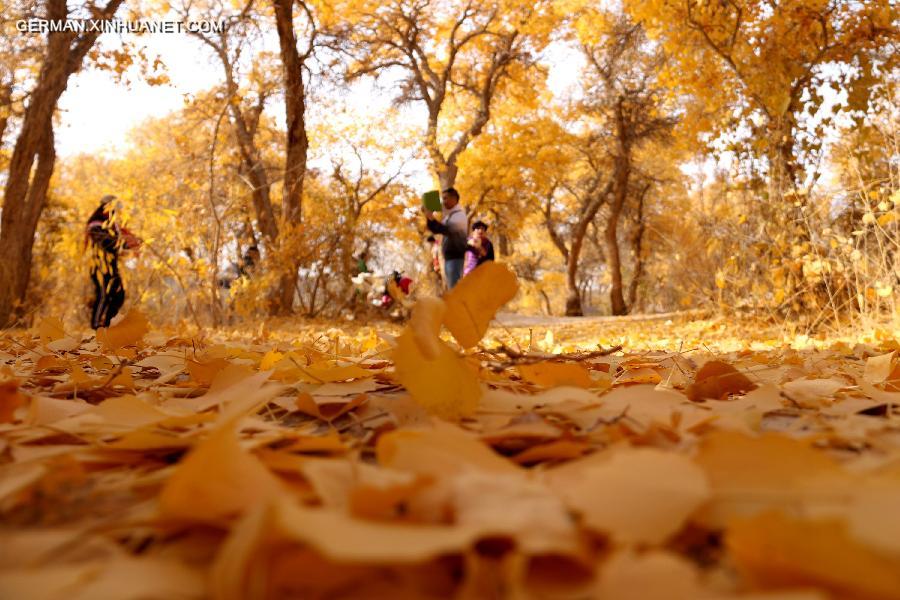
x=454, y=227
x=105, y=238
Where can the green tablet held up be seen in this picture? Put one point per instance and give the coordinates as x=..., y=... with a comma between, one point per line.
x=432, y=201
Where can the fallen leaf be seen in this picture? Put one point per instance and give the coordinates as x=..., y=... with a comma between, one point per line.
x=555, y=450
x=639, y=496
x=554, y=374
x=749, y=475
x=346, y=388
x=446, y=385
x=51, y=329
x=217, y=480
x=328, y=408
x=716, y=380
x=639, y=375
x=879, y=368
x=44, y=411
x=652, y=575
x=10, y=400
x=106, y=580
x=813, y=392
x=203, y=372
x=872, y=519
x=473, y=302
x=130, y=330
x=425, y=326
x=438, y=452
x=776, y=551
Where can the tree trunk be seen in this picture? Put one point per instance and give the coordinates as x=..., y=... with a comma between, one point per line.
x=636, y=247
x=252, y=169
x=622, y=166
x=573, y=254
x=548, y=308
x=573, y=298
x=296, y=145
x=17, y=239
x=255, y=171
x=447, y=176
x=789, y=218
x=26, y=185
x=504, y=246
x=610, y=237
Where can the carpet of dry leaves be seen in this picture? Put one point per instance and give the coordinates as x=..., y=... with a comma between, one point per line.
x=448, y=460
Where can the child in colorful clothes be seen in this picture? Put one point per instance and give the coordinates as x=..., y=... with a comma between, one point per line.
x=479, y=248
x=396, y=289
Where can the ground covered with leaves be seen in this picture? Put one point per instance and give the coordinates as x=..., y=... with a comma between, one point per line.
x=447, y=459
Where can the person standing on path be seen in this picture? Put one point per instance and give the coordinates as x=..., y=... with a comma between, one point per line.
x=105, y=238
x=454, y=227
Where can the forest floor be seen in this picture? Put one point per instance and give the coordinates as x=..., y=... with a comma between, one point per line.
x=670, y=457
x=671, y=331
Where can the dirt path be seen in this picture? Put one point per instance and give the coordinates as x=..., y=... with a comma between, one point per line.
x=514, y=320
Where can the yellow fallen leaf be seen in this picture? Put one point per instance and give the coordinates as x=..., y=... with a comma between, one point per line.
x=638, y=496
x=653, y=575
x=144, y=440
x=51, y=329
x=329, y=443
x=119, y=577
x=438, y=452
x=129, y=411
x=646, y=405
x=749, y=475
x=716, y=380
x=555, y=374
x=472, y=304
x=425, y=325
x=328, y=408
x=346, y=388
x=246, y=565
x=517, y=507
x=340, y=537
x=503, y=401
x=270, y=359
x=44, y=411
x=812, y=393
x=557, y=450
x=328, y=371
x=446, y=386
x=515, y=434
x=130, y=330
x=639, y=375
x=217, y=480
x=384, y=502
x=884, y=371
x=879, y=368
x=65, y=344
x=873, y=520
x=10, y=399
x=232, y=393
x=79, y=376
x=205, y=371
x=776, y=551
